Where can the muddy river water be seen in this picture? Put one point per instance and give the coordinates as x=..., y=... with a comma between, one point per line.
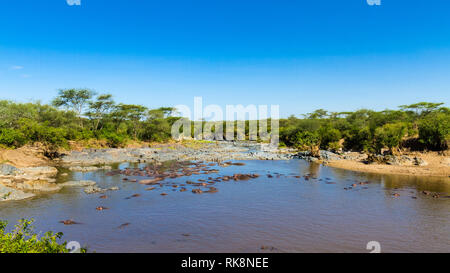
x=282, y=213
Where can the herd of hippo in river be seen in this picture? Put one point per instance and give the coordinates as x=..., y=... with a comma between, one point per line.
x=156, y=175
x=159, y=172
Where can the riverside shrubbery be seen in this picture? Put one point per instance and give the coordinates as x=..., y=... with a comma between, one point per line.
x=22, y=239
x=371, y=131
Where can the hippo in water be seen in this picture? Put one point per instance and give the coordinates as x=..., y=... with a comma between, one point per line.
x=69, y=222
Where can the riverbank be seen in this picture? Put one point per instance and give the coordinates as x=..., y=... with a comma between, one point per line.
x=414, y=163
x=27, y=156
x=26, y=172
x=433, y=165
x=190, y=151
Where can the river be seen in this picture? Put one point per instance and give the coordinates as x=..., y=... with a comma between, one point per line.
x=279, y=214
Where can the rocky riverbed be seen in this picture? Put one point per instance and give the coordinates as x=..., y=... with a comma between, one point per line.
x=26, y=182
x=215, y=152
x=194, y=206
x=22, y=183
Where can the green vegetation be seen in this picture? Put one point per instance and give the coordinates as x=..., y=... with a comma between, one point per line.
x=421, y=126
x=23, y=240
x=80, y=114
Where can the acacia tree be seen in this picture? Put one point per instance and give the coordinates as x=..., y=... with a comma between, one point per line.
x=74, y=99
x=158, y=124
x=131, y=113
x=99, y=108
x=318, y=114
x=421, y=108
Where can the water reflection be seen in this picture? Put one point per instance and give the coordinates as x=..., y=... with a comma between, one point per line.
x=420, y=183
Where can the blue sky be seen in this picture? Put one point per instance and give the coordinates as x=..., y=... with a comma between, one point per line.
x=302, y=55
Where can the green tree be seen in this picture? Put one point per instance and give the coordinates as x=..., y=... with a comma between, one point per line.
x=421, y=108
x=318, y=114
x=329, y=136
x=389, y=136
x=74, y=99
x=132, y=115
x=158, y=124
x=434, y=131
x=99, y=108
x=309, y=141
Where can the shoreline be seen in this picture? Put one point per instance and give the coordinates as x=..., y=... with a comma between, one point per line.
x=26, y=170
x=33, y=157
x=384, y=169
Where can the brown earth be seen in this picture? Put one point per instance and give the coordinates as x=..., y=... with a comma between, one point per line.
x=27, y=156
x=438, y=165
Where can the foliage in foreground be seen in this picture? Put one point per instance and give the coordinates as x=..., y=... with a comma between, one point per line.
x=23, y=240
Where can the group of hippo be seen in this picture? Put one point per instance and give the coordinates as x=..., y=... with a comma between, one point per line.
x=156, y=174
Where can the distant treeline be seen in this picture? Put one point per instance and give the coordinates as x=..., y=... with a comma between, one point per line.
x=420, y=126
x=80, y=114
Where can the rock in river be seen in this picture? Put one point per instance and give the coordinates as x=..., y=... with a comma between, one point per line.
x=97, y=189
x=8, y=170
x=40, y=171
x=38, y=185
x=80, y=183
x=10, y=194
x=89, y=168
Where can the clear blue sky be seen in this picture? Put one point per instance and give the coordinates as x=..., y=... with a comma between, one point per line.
x=302, y=55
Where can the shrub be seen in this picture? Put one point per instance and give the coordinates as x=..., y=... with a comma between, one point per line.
x=390, y=136
x=329, y=137
x=12, y=138
x=434, y=131
x=306, y=140
x=23, y=240
x=359, y=139
x=113, y=139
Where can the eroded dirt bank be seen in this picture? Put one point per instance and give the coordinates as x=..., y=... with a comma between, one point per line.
x=27, y=156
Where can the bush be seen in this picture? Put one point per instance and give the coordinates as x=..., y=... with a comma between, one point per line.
x=329, y=137
x=434, y=131
x=334, y=146
x=23, y=240
x=306, y=140
x=113, y=139
x=41, y=132
x=12, y=138
x=359, y=139
x=390, y=136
